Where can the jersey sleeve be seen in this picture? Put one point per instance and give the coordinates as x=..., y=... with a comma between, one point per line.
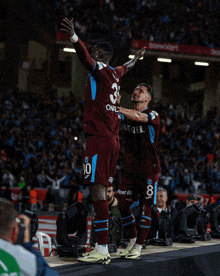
x=84, y=55
x=153, y=118
x=121, y=70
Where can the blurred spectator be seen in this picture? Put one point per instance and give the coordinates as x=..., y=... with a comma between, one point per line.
x=56, y=187
x=165, y=179
x=74, y=194
x=48, y=199
x=33, y=198
x=41, y=178
x=7, y=193
x=21, y=182
x=25, y=196
x=191, y=188
x=8, y=178
x=197, y=184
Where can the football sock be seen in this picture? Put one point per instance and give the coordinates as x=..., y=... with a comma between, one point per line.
x=101, y=218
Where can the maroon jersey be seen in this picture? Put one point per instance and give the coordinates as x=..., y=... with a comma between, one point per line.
x=101, y=108
x=141, y=141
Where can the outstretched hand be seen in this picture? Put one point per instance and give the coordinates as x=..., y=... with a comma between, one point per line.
x=141, y=52
x=68, y=26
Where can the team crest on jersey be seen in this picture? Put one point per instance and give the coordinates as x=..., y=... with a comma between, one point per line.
x=86, y=160
x=149, y=181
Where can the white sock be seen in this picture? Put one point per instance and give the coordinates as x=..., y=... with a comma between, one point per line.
x=102, y=248
x=138, y=246
x=133, y=240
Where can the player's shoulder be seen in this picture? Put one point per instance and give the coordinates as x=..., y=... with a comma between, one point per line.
x=153, y=112
x=152, y=115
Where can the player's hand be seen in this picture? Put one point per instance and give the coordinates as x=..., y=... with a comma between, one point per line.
x=118, y=98
x=68, y=26
x=141, y=52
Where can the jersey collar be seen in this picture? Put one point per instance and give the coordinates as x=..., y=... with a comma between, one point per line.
x=144, y=109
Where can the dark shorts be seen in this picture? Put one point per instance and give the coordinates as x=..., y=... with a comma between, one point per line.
x=100, y=160
x=144, y=185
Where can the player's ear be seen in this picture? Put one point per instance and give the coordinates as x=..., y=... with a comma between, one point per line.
x=148, y=98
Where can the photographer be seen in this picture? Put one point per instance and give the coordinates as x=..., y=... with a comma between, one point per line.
x=16, y=259
x=191, y=199
x=161, y=206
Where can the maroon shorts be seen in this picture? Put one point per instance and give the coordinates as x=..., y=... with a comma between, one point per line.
x=100, y=160
x=144, y=185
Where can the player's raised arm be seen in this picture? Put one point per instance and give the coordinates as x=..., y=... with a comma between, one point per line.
x=80, y=48
x=130, y=64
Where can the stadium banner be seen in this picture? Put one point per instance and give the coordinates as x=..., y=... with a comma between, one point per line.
x=41, y=195
x=176, y=48
x=16, y=194
x=150, y=45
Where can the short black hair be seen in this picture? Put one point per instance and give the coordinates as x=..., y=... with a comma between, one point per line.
x=106, y=47
x=149, y=89
x=112, y=186
x=193, y=197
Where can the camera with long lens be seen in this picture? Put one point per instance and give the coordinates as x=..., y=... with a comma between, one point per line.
x=33, y=226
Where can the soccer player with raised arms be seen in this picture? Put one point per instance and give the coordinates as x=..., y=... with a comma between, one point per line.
x=101, y=125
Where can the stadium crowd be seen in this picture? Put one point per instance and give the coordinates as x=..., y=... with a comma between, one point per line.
x=44, y=140
x=189, y=22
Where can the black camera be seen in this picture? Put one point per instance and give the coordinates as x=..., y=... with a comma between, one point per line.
x=33, y=226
